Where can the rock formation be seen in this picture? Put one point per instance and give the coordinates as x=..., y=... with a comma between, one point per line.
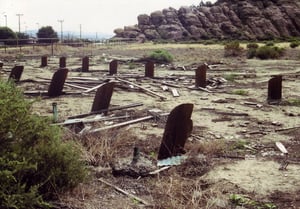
x=226, y=19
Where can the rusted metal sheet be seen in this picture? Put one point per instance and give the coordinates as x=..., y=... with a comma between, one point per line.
x=200, y=77
x=179, y=126
x=275, y=88
x=62, y=62
x=57, y=82
x=103, y=97
x=113, y=67
x=85, y=64
x=16, y=73
x=44, y=61
x=149, y=69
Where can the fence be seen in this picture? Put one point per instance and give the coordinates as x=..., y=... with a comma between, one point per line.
x=7, y=45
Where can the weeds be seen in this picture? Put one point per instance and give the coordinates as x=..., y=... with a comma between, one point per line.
x=233, y=49
x=241, y=92
x=230, y=77
x=243, y=201
x=294, y=102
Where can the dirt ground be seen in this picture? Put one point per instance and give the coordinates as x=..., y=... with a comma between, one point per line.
x=233, y=160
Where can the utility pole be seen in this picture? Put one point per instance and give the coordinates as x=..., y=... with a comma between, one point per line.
x=80, y=32
x=19, y=15
x=61, y=30
x=5, y=20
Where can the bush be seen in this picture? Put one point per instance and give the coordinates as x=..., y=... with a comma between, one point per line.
x=270, y=43
x=35, y=164
x=233, y=49
x=252, y=46
x=294, y=44
x=161, y=55
x=268, y=52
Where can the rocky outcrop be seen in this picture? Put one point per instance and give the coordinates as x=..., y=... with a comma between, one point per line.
x=226, y=19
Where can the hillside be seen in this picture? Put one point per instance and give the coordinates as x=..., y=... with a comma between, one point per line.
x=226, y=19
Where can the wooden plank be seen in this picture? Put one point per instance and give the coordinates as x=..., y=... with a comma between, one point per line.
x=175, y=92
x=76, y=86
x=121, y=124
x=138, y=86
x=110, y=109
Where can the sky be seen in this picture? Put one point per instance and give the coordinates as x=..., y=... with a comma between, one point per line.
x=92, y=16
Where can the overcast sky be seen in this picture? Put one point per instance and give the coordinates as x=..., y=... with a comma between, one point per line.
x=94, y=16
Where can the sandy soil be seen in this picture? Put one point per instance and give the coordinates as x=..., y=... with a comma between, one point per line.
x=256, y=176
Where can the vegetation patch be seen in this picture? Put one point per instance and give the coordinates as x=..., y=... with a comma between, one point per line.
x=161, y=56
x=241, y=92
x=35, y=164
x=265, y=52
x=241, y=200
x=233, y=49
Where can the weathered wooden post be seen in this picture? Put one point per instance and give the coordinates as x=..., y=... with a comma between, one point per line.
x=113, y=67
x=179, y=126
x=44, y=61
x=62, y=62
x=85, y=64
x=275, y=88
x=103, y=97
x=16, y=73
x=57, y=82
x=200, y=76
x=149, y=69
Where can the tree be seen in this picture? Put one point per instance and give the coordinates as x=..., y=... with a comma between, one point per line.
x=47, y=35
x=7, y=33
x=23, y=38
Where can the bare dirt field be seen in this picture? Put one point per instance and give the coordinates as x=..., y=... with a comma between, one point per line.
x=233, y=160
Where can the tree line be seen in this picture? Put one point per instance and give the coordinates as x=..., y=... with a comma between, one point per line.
x=45, y=34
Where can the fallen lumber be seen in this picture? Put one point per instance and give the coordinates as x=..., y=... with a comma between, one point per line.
x=166, y=83
x=89, y=120
x=147, y=90
x=121, y=124
x=231, y=113
x=287, y=129
x=105, y=110
x=124, y=192
x=159, y=170
x=175, y=92
x=76, y=86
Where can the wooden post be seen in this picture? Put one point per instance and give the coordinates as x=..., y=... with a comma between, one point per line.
x=149, y=69
x=200, y=78
x=62, y=62
x=44, y=61
x=275, y=88
x=85, y=64
x=113, y=67
x=179, y=126
x=57, y=82
x=16, y=73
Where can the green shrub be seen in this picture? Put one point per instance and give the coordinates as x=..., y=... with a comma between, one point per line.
x=161, y=55
x=251, y=53
x=233, y=49
x=294, y=44
x=252, y=46
x=268, y=52
x=270, y=43
x=35, y=164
